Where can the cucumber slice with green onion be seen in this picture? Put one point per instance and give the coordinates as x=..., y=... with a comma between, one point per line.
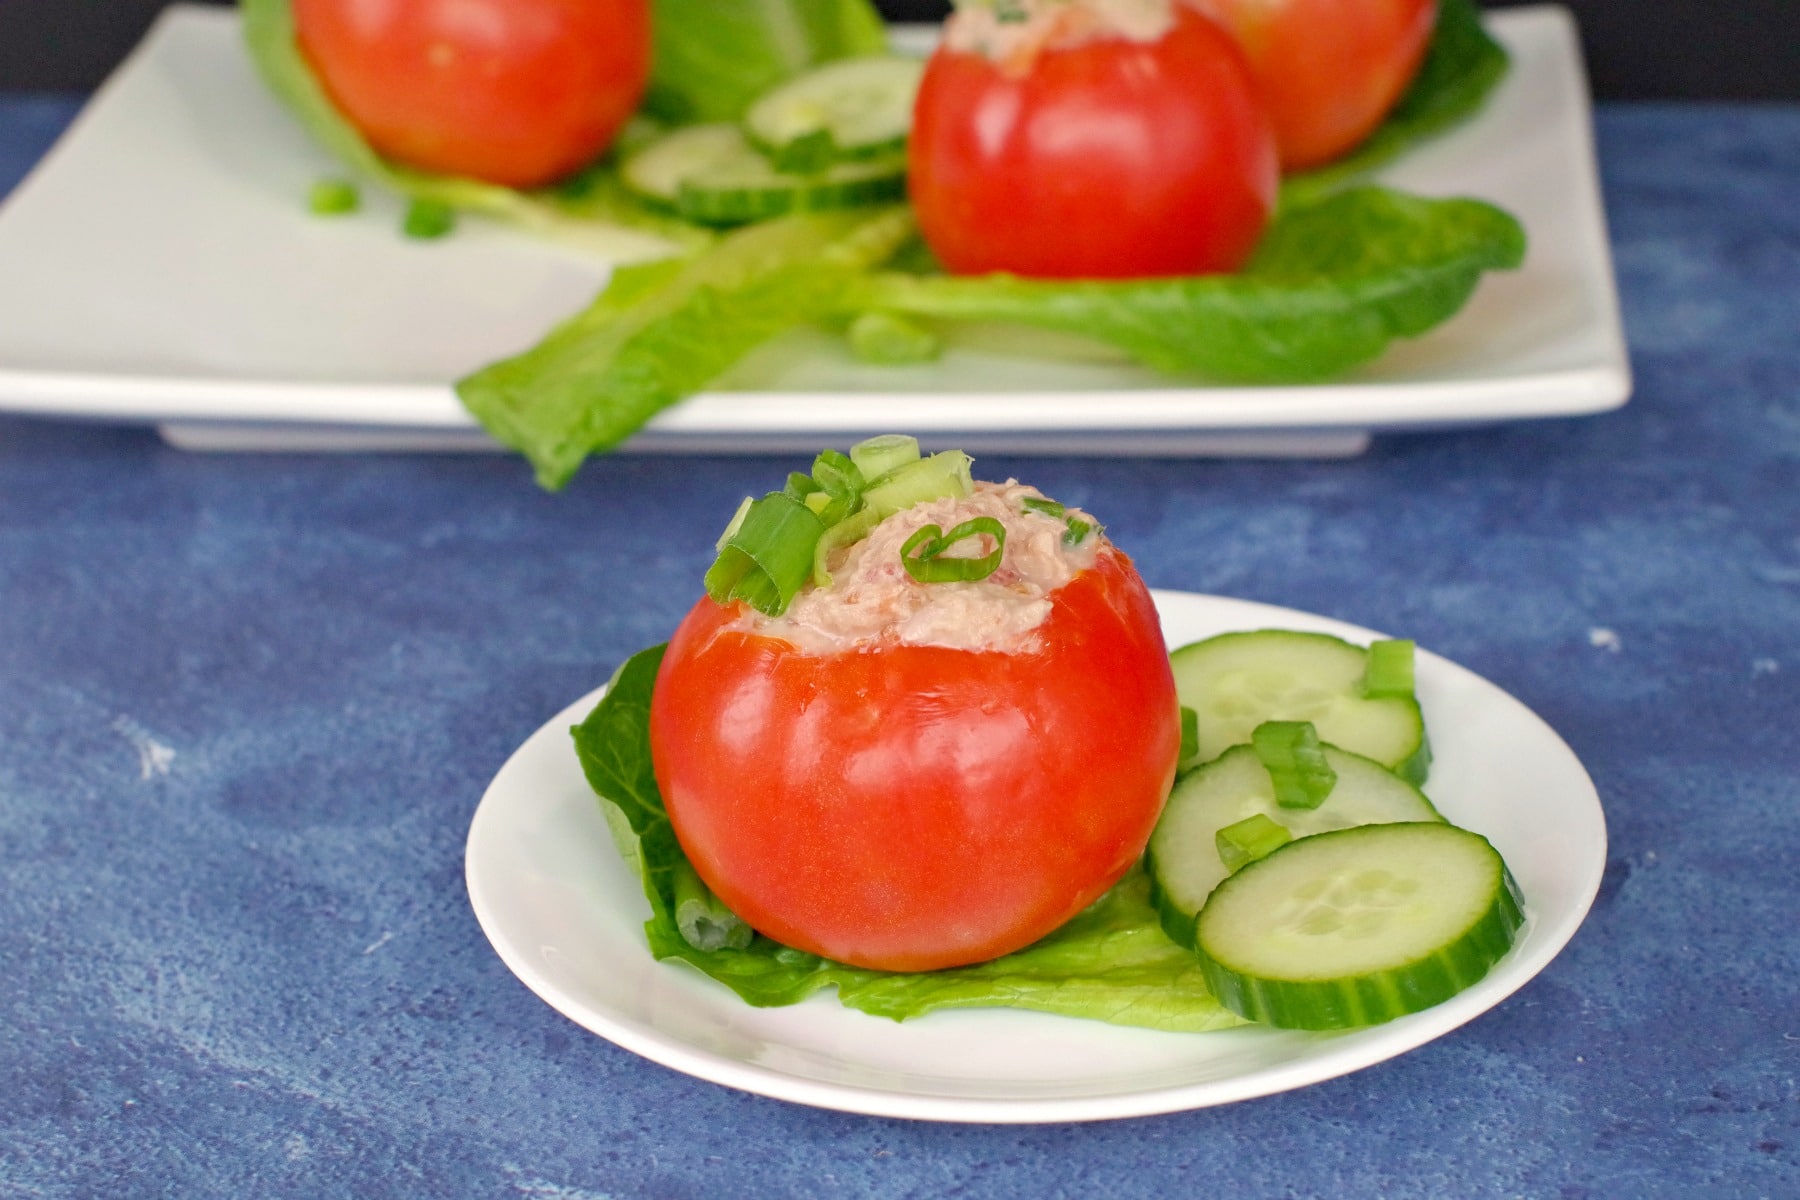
x=853, y=109
x=1237, y=681
x=1183, y=857
x=710, y=175
x=1358, y=926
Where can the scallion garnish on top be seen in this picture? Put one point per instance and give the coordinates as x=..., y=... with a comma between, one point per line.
x=931, y=565
x=776, y=545
x=769, y=558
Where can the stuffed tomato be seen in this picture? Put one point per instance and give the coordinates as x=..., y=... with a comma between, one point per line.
x=953, y=735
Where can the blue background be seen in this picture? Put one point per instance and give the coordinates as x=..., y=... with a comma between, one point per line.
x=248, y=705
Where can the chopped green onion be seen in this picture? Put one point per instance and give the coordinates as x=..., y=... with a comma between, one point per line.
x=1190, y=739
x=736, y=523
x=892, y=341
x=931, y=565
x=853, y=528
x=836, y=472
x=769, y=558
x=333, y=198
x=1041, y=504
x=943, y=474
x=1390, y=670
x=1291, y=753
x=800, y=485
x=841, y=484
x=427, y=219
x=1243, y=842
x=704, y=921
x=1076, y=530
x=878, y=455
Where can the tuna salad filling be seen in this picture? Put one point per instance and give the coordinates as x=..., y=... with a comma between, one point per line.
x=872, y=598
x=1013, y=32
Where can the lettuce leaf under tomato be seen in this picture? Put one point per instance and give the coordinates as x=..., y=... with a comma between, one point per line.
x=1110, y=963
x=1332, y=285
x=711, y=58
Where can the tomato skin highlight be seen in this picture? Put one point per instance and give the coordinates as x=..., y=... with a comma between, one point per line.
x=1110, y=159
x=915, y=807
x=514, y=92
x=1329, y=70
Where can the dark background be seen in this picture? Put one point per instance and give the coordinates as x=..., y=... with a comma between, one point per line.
x=1636, y=49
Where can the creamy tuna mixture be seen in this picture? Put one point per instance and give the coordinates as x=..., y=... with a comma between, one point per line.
x=1012, y=32
x=873, y=601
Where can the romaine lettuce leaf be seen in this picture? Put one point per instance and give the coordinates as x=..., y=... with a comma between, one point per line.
x=1331, y=285
x=661, y=331
x=1111, y=963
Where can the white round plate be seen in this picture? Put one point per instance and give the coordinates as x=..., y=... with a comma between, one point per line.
x=567, y=917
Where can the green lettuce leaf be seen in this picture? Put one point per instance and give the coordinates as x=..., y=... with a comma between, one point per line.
x=713, y=57
x=661, y=331
x=1331, y=285
x=1110, y=963
x=1462, y=67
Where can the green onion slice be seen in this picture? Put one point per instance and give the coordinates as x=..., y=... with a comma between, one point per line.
x=1075, y=530
x=943, y=474
x=1243, y=842
x=876, y=456
x=1190, y=739
x=800, y=485
x=1291, y=753
x=1041, y=504
x=769, y=558
x=736, y=523
x=426, y=219
x=333, y=197
x=1390, y=670
x=853, y=528
x=931, y=565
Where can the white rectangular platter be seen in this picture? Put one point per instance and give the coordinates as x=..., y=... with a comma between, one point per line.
x=159, y=266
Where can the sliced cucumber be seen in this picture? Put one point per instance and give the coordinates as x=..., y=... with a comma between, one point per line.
x=1184, y=857
x=1236, y=681
x=851, y=109
x=1359, y=926
x=710, y=174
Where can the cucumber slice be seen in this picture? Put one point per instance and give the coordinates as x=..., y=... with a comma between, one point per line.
x=711, y=175
x=1183, y=857
x=1359, y=926
x=851, y=109
x=1236, y=681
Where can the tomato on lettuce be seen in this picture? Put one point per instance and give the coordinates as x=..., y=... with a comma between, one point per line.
x=514, y=92
x=911, y=807
x=1102, y=156
x=1328, y=70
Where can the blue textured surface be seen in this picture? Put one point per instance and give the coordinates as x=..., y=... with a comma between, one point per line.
x=249, y=704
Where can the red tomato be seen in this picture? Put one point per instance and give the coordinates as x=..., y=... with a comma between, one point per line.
x=517, y=92
x=1329, y=69
x=1108, y=159
x=916, y=807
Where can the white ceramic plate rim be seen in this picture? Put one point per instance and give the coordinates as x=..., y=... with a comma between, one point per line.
x=142, y=328
x=520, y=827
